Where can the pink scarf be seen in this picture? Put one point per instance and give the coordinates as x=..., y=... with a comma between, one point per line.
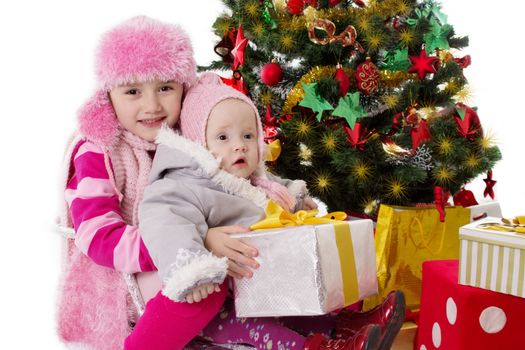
x=94, y=305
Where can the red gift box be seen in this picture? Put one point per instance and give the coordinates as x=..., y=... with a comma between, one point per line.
x=454, y=316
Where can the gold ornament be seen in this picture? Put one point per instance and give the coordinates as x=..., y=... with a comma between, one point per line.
x=443, y=174
x=322, y=182
x=310, y=14
x=280, y=6
x=305, y=154
x=472, y=161
x=347, y=37
x=362, y=171
x=329, y=143
x=445, y=146
x=396, y=189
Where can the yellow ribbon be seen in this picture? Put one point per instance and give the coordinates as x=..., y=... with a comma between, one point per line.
x=273, y=150
x=515, y=225
x=278, y=217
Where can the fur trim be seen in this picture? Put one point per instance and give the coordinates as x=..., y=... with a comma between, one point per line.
x=97, y=120
x=230, y=183
x=201, y=269
x=144, y=49
x=297, y=188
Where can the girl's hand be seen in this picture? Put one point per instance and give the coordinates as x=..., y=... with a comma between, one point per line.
x=308, y=203
x=201, y=292
x=240, y=255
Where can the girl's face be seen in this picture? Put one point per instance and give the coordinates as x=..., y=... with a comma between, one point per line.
x=141, y=108
x=231, y=136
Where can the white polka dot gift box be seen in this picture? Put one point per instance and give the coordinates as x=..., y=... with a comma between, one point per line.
x=458, y=317
x=308, y=269
x=492, y=256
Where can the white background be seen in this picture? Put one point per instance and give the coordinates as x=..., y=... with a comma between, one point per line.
x=46, y=65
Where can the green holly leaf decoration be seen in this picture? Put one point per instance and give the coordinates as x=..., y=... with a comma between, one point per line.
x=436, y=11
x=437, y=36
x=313, y=101
x=420, y=13
x=396, y=60
x=461, y=112
x=350, y=108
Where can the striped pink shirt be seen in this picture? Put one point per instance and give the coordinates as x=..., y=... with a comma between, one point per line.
x=100, y=231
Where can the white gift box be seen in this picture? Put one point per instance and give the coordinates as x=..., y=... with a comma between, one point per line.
x=302, y=273
x=491, y=259
x=484, y=210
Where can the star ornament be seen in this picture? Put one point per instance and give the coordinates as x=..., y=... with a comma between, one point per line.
x=313, y=101
x=238, y=49
x=350, y=108
x=422, y=64
x=489, y=185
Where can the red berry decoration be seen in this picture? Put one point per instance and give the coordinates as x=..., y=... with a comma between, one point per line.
x=295, y=7
x=344, y=81
x=367, y=76
x=271, y=73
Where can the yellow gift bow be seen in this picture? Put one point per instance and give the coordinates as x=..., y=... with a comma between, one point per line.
x=277, y=217
x=515, y=225
x=273, y=150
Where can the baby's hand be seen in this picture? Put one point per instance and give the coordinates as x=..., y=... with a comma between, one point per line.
x=201, y=292
x=308, y=203
x=240, y=255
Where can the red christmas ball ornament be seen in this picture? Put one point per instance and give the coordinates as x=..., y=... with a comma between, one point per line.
x=271, y=73
x=344, y=81
x=295, y=7
x=367, y=76
x=333, y=3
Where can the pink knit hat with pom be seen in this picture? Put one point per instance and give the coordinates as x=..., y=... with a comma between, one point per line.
x=196, y=109
x=139, y=50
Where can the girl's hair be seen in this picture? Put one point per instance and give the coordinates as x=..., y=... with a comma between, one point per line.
x=140, y=49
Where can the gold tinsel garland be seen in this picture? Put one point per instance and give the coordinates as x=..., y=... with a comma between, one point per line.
x=296, y=94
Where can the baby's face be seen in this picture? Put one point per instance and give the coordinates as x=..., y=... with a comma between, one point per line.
x=231, y=136
x=141, y=108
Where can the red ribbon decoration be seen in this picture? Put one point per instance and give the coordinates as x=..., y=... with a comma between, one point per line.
x=355, y=136
x=470, y=125
x=463, y=62
x=441, y=198
x=270, y=123
x=489, y=188
x=236, y=82
x=420, y=134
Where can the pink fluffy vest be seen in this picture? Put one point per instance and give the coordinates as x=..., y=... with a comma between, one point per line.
x=94, y=304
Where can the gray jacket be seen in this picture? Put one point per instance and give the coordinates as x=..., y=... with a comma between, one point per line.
x=189, y=193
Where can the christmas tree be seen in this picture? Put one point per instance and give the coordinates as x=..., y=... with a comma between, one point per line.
x=367, y=99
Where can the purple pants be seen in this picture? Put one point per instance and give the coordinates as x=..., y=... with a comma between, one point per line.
x=265, y=332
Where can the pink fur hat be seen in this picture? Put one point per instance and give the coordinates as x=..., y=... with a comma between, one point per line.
x=200, y=100
x=139, y=50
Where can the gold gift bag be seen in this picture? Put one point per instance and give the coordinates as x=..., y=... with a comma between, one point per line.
x=407, y=236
